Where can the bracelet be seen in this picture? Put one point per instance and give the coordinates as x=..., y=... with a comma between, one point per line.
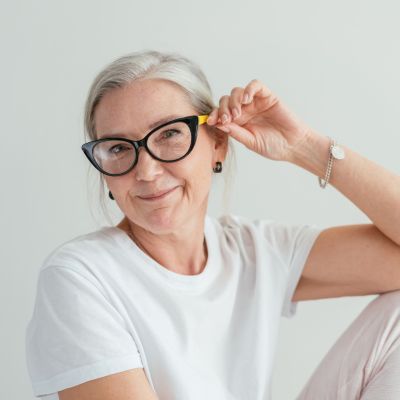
x=334, y=152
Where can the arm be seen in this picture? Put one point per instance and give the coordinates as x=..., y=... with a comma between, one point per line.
x=372, y=188
x=126, y=385
x=266, y=126
x=354, y=259
x=351, y=260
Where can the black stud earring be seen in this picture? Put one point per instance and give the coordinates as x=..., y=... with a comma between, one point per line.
x=218, y=167
x=110, y=195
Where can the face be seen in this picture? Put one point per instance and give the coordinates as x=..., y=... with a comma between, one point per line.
x=131, y=112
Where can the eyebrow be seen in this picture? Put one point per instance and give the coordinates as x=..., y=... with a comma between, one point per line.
x=150, y=128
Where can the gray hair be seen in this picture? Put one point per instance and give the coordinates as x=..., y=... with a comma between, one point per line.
x=149, y=64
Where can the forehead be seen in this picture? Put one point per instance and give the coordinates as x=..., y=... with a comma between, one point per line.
x=133, y=109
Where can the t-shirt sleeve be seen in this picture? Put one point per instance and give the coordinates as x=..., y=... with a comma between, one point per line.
x=281, y=248
x=293, y=243
x=75, y=334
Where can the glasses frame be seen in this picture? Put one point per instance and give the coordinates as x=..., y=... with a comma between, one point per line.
x=193, y=121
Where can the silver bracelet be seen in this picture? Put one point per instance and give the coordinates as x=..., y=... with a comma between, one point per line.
x=336, y=152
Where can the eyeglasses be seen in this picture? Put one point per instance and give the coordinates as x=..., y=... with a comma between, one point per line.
x=168, y=142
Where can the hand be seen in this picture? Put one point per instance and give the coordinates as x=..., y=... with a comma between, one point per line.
x=263, y=124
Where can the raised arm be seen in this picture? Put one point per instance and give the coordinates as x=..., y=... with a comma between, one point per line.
x=347, y=260
x=371, y=187
x=353, y=259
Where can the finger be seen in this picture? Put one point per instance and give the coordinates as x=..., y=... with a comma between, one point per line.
x=240, y=134
x=235, y=102
x=224, y=113
x=212, y=116
x=255, y=88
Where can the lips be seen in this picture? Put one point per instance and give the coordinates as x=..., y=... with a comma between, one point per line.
x=157, y=194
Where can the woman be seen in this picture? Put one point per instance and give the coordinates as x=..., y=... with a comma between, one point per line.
x=174, y=304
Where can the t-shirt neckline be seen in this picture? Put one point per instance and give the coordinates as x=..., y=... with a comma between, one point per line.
x=181, y=281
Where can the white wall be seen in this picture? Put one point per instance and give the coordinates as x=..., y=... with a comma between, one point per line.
x=334, y=63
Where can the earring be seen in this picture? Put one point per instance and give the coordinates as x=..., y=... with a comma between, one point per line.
x=110, y=195
x=218, y=167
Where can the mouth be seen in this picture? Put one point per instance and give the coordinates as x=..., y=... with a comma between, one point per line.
x=158, y=196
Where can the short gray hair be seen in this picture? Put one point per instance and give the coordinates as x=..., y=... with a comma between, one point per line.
x=150, y=64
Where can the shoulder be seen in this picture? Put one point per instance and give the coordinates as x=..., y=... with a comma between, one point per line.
x=267, y=242
x=237, y=225
x=234, y=221
x=265, y=231
x=81, y=250
x=239, y=233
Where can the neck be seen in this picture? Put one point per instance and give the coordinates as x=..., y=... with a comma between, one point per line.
x=184, y=252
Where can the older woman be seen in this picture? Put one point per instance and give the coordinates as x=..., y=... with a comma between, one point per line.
x=174, y=304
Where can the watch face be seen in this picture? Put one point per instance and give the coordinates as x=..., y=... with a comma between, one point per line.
x=337, y=152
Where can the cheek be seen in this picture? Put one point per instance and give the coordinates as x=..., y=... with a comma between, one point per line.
x=196, y=170
x=121, y=187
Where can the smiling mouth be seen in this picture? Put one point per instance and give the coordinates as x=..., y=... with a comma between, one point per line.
x=160, y=196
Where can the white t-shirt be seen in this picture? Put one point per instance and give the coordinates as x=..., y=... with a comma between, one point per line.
x=103, y=306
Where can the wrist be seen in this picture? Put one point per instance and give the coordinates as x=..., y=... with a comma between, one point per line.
x=311, y=153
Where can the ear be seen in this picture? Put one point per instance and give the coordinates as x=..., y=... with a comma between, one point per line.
x=220, y=144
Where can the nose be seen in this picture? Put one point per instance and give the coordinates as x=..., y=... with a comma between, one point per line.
x=147, y=168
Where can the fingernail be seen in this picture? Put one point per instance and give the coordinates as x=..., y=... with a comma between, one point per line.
x=246, y=98
x=225, y=129
x=224, y=118
x=235, y=113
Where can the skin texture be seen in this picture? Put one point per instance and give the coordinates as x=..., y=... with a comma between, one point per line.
x=170, y=229
x=127, y=385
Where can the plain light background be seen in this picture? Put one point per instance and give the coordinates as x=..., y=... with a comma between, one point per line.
x=335, y=64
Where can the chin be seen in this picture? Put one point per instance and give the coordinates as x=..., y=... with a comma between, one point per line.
x=166, y=217
x=162, y=221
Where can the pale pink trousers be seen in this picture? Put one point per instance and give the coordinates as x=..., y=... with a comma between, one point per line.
x=364, y=363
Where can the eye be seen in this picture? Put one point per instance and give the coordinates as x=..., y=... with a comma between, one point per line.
x=118, y=148
x=170, y=133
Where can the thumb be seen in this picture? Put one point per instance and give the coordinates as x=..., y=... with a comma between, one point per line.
x=240, y=134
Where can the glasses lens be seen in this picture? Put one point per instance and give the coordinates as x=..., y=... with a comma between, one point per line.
x=170, y=142
x=114, y=156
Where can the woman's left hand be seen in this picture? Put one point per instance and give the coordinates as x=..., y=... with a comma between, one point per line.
x=263, y=124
